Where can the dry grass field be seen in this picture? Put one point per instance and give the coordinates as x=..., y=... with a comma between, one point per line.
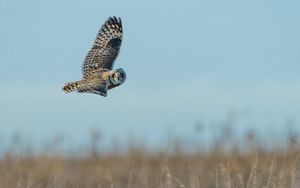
x=139, y=168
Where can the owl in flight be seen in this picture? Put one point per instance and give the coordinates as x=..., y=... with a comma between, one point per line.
x=98, y=73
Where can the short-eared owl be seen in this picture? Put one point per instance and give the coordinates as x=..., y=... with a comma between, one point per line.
x=98, y=75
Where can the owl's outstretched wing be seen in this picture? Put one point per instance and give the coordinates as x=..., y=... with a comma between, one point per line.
x=105, y=48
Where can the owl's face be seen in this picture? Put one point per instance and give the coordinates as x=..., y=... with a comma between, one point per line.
x=117, y=77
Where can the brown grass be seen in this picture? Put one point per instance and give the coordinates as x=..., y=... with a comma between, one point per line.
x=223, y=166
x=139, y=168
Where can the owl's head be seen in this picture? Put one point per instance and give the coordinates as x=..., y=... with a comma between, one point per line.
x=117, y=77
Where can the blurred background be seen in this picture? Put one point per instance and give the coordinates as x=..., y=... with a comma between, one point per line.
x=197, y=71
x=212, y=96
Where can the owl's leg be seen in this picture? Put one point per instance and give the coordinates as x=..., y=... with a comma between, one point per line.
x=102, y=90
x=104, y=93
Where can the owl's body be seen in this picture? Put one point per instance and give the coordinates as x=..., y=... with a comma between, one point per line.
x=98, y=75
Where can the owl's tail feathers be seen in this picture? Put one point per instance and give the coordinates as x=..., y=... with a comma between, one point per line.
x=71, y=86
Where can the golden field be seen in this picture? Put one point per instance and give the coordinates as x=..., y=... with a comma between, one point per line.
x=141, y=168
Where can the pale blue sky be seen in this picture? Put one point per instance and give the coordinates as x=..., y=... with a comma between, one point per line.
x=186, y=61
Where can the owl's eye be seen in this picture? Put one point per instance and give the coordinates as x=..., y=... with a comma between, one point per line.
x=114, y=75
x=121, y=76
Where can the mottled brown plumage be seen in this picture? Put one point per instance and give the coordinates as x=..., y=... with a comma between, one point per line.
x=106, y=46
x=98, y=75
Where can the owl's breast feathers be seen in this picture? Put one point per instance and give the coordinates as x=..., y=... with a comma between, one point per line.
x=90, y=82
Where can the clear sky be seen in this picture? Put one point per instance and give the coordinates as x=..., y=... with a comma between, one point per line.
x=186, y=61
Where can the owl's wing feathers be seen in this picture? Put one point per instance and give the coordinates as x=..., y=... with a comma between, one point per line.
x=105, y=48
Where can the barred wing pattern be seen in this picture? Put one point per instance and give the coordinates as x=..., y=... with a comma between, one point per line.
x=105, y=48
